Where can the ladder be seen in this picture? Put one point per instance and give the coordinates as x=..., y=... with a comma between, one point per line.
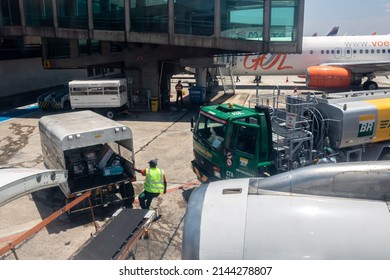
x=226, y=76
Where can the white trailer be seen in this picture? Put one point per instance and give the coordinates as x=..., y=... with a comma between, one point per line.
x=97, y=152
x=107, y=97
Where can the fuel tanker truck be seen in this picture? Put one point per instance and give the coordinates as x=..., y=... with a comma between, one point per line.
x=329, y=211
x=282, y=134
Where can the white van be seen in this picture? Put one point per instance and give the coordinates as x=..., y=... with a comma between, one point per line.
x=106, y=97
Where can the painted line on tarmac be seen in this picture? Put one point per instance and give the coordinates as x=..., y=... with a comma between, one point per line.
x=17, y=112
x=176, y=188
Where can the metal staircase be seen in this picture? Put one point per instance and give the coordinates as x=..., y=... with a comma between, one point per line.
x=227, y=80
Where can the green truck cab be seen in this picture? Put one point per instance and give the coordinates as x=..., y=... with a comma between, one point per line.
x=232, y=141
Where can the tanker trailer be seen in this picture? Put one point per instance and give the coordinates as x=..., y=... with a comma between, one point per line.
x=355, y=125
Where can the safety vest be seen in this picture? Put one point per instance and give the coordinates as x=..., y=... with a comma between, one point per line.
x=154, y=181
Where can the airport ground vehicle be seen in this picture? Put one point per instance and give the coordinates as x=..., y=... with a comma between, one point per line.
x=328, y=211
x=106, y=97
x=97, y=152
x=232, y=141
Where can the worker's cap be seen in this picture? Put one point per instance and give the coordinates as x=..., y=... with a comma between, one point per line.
x=153, y=162
x=179, y=81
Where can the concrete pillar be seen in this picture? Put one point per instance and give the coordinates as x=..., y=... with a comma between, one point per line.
x=201, y=77
x=142, y=75
x=150, y=78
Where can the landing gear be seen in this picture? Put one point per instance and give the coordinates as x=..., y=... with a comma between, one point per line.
x=357, y=82
x=370, y=85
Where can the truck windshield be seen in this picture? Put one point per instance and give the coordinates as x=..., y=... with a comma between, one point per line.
x=210, y=131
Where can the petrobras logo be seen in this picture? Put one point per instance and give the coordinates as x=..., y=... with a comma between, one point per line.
x=384, y=124
x=366, y=125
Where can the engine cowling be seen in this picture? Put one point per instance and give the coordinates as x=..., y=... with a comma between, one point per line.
x=328, y=77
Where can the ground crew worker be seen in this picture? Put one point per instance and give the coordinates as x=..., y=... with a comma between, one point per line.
x=179, y=92
x=155, y=184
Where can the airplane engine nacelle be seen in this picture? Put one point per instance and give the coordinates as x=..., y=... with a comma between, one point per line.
x=328, y=76
x=329, y=211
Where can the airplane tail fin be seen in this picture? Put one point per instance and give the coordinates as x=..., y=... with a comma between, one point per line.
x=334, y=31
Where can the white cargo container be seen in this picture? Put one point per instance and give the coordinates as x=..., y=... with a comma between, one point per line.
x=97, y=152
x=107, y=97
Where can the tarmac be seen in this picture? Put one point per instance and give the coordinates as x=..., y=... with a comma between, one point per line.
x=165, y=135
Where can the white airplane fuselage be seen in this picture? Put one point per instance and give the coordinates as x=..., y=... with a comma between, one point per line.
x=363, y=56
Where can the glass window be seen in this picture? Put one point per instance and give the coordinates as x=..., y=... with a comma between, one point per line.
x=284, y=16
x=38, y=12
x=242, y=19
x=246, y=140
x=11, y=12
x=194, y=17
x=72, y=14
x=108, y=15
x=88, y=47
x=57, y=48
x=149, y=16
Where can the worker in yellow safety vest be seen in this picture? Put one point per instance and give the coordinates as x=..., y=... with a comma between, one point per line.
x=155, y=184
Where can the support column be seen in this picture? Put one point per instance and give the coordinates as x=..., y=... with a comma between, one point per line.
x=142, y=74
x=201, y=77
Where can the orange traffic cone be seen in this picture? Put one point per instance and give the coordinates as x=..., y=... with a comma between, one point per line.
x=286, y=79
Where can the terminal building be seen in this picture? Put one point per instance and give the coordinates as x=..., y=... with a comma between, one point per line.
x=149, y=41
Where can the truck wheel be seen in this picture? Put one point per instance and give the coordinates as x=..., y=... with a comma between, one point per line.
x=385, y=156
x=110, y=114
x=127, y=193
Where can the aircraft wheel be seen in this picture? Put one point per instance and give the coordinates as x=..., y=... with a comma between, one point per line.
x=370, y=85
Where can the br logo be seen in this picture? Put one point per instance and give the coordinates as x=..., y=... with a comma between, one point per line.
x=366, y=128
